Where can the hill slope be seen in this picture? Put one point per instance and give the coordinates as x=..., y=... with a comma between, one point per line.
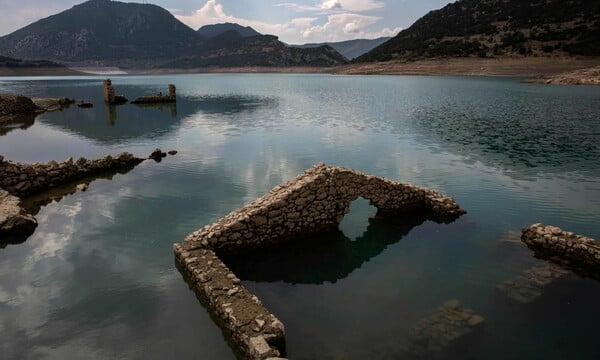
x=351, y=49
x=210, y=31
x=112, y=33
x=498, y=28
x=231, y=49
x=102, y=30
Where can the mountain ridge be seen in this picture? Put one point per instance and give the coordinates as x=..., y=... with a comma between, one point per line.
x=138, y=36
x=497, y=28
x=212, y=30
x=350, y=49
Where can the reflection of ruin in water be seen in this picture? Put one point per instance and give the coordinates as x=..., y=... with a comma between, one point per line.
x=338, y=256
x=111, y=110
x=10, y=123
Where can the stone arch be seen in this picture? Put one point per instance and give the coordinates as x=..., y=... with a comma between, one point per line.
x=315, y=201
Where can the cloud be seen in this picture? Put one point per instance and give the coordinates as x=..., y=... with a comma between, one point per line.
x=337, y=5
x=331, y=4
x=339, y=25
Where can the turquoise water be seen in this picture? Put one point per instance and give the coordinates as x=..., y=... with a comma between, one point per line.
x=97, y=279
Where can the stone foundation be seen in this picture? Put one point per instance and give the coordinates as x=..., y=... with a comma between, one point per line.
x=257, y=332
x=24, y=179
x=19, y=180
x=569, y=250
x=528, y=286
x=315, y=201
x=448, y=330
x=158, y=98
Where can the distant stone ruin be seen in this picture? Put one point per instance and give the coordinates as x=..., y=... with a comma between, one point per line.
x=159, y=98
x=109, y=94
x=315, y=201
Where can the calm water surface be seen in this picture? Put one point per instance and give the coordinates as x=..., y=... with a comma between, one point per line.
x=97, y=279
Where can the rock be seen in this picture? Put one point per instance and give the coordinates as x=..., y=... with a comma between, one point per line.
x=260, y=347
x=476, y=320
x=82, y=187
x=14, y=221
x=173, y=152
x=1, y=158
x=11, y=104
x=157, y=155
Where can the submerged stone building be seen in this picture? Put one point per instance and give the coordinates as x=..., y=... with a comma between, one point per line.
x=314, y=202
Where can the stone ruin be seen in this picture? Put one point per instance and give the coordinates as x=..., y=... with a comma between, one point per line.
x=159, y=98
x=450, y=329
x=20, y=181
x=564, y=253
x=574, y=252
x=314, y=202
x=109, y=94
x=529, y=285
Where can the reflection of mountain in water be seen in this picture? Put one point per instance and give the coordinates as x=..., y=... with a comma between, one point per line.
x=516, y=132
x=118, y=124
x=327, y=257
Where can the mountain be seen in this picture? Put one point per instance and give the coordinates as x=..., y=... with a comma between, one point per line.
x=129, y=35
x=231, y=49
x=105, y=31
x=210, y=31
x=498, y=28
x=351, y=49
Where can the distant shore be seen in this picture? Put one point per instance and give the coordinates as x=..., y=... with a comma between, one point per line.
x=521, y=67
x=531, y=67
x=39, y=71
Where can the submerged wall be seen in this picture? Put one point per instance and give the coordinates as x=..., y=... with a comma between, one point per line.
x=313, y=202
x=565, y=247
x=26, y=179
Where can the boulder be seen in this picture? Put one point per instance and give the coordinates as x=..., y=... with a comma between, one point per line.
x=15, y=224
x=11, y=104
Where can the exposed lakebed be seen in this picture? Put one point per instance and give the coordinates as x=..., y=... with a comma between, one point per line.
x=97, y=278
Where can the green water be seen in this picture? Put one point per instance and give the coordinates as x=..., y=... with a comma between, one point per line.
x=97, y=279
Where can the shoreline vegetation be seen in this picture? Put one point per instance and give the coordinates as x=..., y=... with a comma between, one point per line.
x=539, y=70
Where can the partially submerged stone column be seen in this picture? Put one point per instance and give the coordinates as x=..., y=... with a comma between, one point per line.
x=172, y=94
x=109, y=92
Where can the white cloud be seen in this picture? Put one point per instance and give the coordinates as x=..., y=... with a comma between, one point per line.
x=333, y=5
x=338, y=26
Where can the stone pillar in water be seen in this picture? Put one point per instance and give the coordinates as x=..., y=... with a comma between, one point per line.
x=109, y=92
x=171, y=91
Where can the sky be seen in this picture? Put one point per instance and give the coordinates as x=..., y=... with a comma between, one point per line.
x=294, y=21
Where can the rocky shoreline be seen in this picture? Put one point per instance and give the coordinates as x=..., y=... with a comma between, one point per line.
x=590, y=76
x=14, y=106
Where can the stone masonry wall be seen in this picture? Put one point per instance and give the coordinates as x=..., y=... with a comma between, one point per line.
x=551, y=240
x=24, y=179
x=315, y=201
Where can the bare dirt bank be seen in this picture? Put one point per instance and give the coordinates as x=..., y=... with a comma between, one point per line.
x=590, y=76
x=39, y=71
x=526, y=67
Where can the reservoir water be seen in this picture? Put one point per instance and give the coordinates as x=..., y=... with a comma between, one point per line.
x=97, y=279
